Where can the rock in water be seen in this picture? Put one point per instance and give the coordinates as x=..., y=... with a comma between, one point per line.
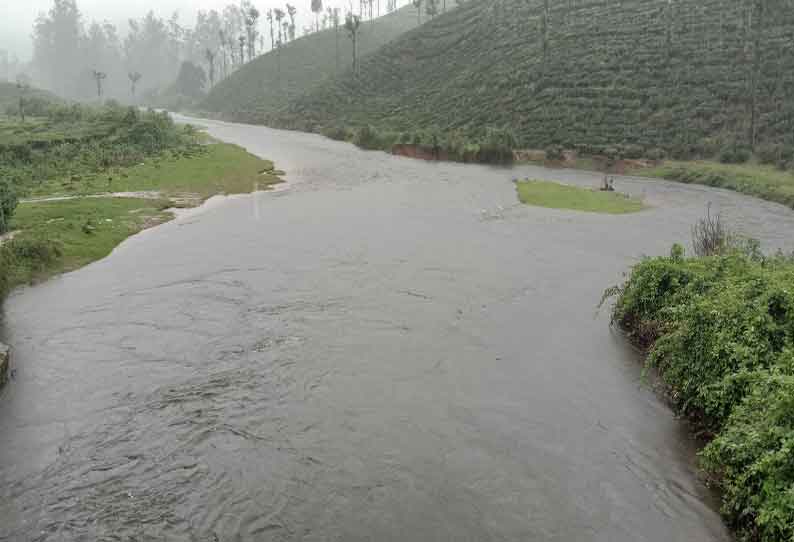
x=5, y=360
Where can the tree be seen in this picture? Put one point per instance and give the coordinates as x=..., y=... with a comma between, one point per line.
x=335, y=22
x=241, y=41
x=210, y=56
x=279, y=14
x=251, y=19
x=431, y=8
x=317, y=7
x=98, y=77
x=191, y=80
x=352, y=25
x=291, y=12
x=22, y=87
x=134, y=77
x=272, y=33
x=418, y=5
x=57, y=61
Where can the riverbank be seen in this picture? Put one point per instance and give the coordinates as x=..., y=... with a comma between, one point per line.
x=53, y=236
x=78, y=180
x=719, y=330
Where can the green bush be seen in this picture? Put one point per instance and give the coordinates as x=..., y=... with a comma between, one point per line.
x=497, y=146
x=554, y=153
x=720, y=332
x=8, y=203
x=735, y=154
x=21, y=259
x=754, y=457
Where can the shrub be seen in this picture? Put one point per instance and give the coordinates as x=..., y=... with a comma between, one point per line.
x=720, y=331
x=754, y=457
x=8, y=203
x=769, y=154
x=656, y=154
x=497, y=146
x=710, y=235
x=555, y=153
x=633, y=152
x=336, y=132
x=735, y=154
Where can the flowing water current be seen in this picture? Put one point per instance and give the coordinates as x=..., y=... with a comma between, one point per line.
x=383, y=349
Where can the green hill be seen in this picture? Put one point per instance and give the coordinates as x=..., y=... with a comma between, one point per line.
x=268, y=83
x=689, y=76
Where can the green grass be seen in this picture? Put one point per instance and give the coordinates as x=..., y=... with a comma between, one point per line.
x=218, y=168
x=766, y=182
x=559, y=196
x=259, y=89
x=86, y=229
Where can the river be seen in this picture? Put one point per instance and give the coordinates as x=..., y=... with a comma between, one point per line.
x=383, y=349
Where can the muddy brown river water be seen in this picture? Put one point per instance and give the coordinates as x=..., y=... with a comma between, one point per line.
x=384, y=349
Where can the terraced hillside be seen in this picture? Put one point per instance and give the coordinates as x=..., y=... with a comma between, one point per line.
x=268, y=83
x=687, y=76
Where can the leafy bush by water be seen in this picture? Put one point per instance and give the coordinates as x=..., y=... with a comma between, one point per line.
x=720, y=332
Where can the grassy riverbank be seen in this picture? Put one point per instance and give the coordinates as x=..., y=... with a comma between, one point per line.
x=69, y=182
x=720, y=332
x=560, y=196
x=762, y=181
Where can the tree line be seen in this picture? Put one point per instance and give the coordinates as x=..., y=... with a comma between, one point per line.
x=81, y=59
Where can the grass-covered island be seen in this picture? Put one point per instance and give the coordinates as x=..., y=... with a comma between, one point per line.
x=719, y=331
x=574, y=198
x=75, y=181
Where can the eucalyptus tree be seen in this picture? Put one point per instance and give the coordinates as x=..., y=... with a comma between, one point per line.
x=291, y=11
x=22, y=88
x=241, y=41
x=353, y=25
x=134, y=77
x=317, y=7
x=209, y=54
x=269, y=17
x=251, y=19
x=418, y=5
x=335, y=22
x=98, y=77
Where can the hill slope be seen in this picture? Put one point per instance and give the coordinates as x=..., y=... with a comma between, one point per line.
x=268, y=83
x=590, y=73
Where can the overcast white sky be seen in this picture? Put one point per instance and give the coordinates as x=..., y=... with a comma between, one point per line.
x=17, y=16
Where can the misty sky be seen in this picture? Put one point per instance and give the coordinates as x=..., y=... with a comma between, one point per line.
x=17, y=16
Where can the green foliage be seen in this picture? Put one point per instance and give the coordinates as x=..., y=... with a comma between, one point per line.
x=720, y=331
x=754, y=456
x=735, y=154
x=22, y=259
x=765, y=182
x=560, y=196
x=555, y=153
x=8, y=203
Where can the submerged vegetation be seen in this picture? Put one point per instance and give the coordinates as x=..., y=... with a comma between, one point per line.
x=559, y=196
x=79, y=180
x=719, y=329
